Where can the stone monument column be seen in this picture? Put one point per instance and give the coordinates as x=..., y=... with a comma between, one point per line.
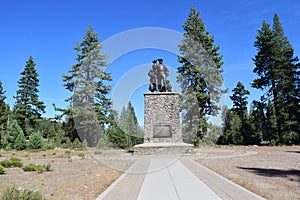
x=162, y=131
x=161, y=117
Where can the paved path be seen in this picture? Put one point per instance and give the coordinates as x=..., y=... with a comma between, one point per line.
x=164, y=178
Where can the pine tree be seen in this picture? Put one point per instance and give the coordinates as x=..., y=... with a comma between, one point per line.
x=36, y=141
x=135, y=130
x=258, y=120
x=126, y=128
x=237, y=136
x=199, y=76
x=226, y=136
x=118, y=137
x=20, y=143
x=88, y=80
x=28, y=108
x=239, y=100
x=278, y=73
x=287, y=66
x=271, y=126
x=4, y=110
x=9, y=137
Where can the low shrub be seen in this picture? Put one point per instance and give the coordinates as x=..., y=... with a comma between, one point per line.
x=35, y=167
x=2, y=170
x=12, y=162
x=16, y=162
x=48, y=145
x=68, y=154
x=5, y=163
x=81, y=155
x=16, y=193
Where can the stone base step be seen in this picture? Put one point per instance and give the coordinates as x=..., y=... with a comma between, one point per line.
x=162, y=148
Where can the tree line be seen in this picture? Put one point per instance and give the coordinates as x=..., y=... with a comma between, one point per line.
x=89, y=118
x=273, y=119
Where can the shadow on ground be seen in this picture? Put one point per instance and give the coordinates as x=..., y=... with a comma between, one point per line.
x=293, y=151
x=292, y=175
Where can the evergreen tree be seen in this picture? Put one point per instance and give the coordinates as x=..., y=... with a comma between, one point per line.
x=226, y=136
x=287, y=68
x=9, y=137
x=239, y=100
x=278, y=72
x=88, y=80
x=28, y=109
x=134, y=130
x=258, y=120
x=199, y=76
x=36, y=141
x=271, y=126
x=131, y=132
x=4, y=110
x=118, y=137
x=20, y=143
x=237, y=136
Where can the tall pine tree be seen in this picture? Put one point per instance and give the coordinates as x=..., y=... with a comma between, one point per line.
x=28, y=108
x=278, y=73
x=200, y=76
x=89, y=83
x=287, y=68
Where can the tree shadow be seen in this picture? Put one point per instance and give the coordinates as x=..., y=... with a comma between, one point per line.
x=292, y=174
x=293, y=151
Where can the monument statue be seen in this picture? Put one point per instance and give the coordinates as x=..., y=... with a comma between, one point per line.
x=162, y=128
x=158, y=77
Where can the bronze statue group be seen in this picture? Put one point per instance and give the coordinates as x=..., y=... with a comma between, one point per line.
x=158, y=77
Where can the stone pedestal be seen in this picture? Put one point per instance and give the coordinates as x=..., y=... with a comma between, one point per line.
x=162, y=132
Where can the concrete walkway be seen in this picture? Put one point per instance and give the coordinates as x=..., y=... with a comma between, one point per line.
x=170, y=178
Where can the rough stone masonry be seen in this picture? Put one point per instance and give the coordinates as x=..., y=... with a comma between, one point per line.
x=161, y=118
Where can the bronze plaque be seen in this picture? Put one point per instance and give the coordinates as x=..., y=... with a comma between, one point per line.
x=162, y=131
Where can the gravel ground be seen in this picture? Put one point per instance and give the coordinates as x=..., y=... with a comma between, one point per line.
x=272, y=172
x=75, y=174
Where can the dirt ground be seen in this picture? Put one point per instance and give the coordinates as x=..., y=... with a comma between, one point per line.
x=272, y=172
x=75, y=174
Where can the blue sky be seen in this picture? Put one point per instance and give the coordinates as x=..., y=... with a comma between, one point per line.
x=47, y=30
